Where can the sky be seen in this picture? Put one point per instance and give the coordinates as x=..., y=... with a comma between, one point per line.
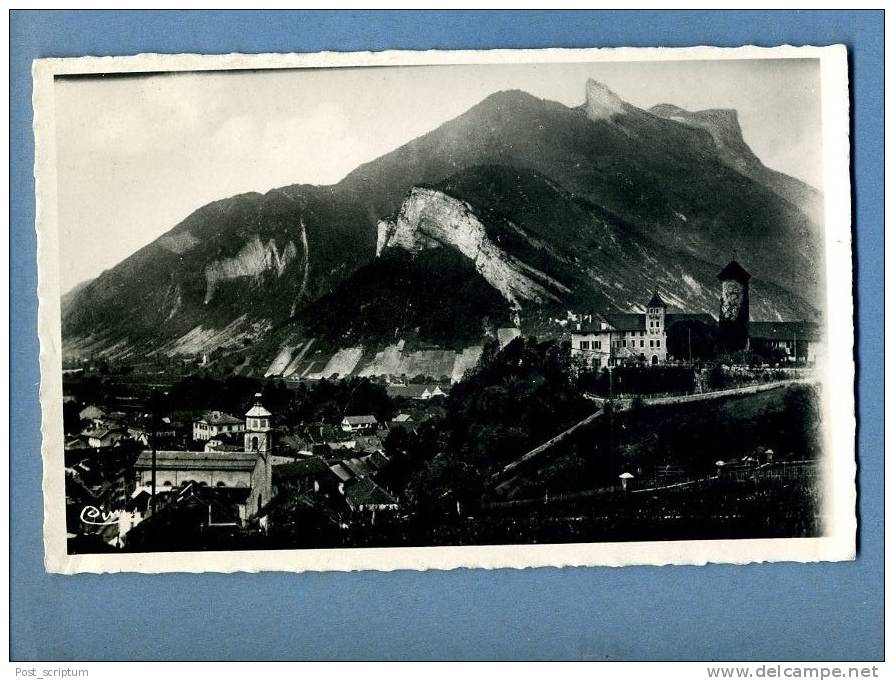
x=136, y=155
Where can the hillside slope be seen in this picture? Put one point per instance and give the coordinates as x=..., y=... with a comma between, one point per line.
x=589, y=206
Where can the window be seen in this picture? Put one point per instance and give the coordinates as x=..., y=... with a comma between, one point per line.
x=585, y=345
x=597, y=362
x=221, y=483
x=597, y=345
x=657, y=343
x=651, y=344
x=642, y=343
x=624, y=343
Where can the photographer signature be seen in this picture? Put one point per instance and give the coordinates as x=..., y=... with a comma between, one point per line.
x=95, y=516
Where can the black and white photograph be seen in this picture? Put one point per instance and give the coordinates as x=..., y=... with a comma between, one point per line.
x=430, y=310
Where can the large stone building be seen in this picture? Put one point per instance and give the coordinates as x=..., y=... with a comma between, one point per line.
x=606, y=340
x=612, y=339
x=250, y=470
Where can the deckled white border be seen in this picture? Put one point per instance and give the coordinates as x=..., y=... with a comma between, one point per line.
x=838, y=542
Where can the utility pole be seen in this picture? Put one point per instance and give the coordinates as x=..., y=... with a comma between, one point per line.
x=611, y=421
x=153, y=398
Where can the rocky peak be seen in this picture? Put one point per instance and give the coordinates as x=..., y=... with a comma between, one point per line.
x=665, y=110
x=430, y=218
x=721, y=124
x=602, y=104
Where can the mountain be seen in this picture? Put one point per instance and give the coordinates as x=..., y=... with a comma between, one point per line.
x=723, y=126
x=516, y=208
x=227, y=273
x=540, y=246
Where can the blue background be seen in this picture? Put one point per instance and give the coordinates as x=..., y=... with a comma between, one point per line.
x=779, y=611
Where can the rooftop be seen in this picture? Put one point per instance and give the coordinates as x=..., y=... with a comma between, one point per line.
x=197, y=461
x=341, y=472
x=656, y=301
x=258, y=411
x=802, y=331
x=312, y=466
x=364, y=492
x=91, y=412
x=414, y=391
x=636, y=321
x=364, y=419
x=102, y=432
x=219, y=418
x=735, y=272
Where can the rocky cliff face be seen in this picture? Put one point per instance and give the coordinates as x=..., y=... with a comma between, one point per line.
x=430, y=218
x=254, y=259
x=601, y=103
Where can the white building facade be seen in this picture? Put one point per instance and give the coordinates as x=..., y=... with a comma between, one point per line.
x=608, y=340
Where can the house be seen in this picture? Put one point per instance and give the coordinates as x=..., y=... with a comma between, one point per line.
x=363, y=494
x=101, y=438
x=79, y=442
x=416, y=391
x=402, y=420
x=376, y=460
x=309, y=475
x=222, y=444
x=353, y=424
x=138, y=435
x=214, y=423
x=91, y=413
x=357, y=467
x=432, y=392
x=611, y=339
x=798, y=341
x=192, y=516
x=367, y=444
x=341, y=472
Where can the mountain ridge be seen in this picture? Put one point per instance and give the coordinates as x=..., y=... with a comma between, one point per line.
x=255, y=262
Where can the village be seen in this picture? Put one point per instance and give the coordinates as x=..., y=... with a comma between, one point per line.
x=345, y=461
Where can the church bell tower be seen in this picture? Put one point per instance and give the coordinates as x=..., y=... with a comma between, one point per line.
x=258, y=430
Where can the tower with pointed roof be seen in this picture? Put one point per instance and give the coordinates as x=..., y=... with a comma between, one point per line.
x=259, y=439
x=258, y=429
x=656, y=309
x=732, y=327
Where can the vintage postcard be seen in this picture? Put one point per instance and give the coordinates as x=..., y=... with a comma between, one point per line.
x=415, y=310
